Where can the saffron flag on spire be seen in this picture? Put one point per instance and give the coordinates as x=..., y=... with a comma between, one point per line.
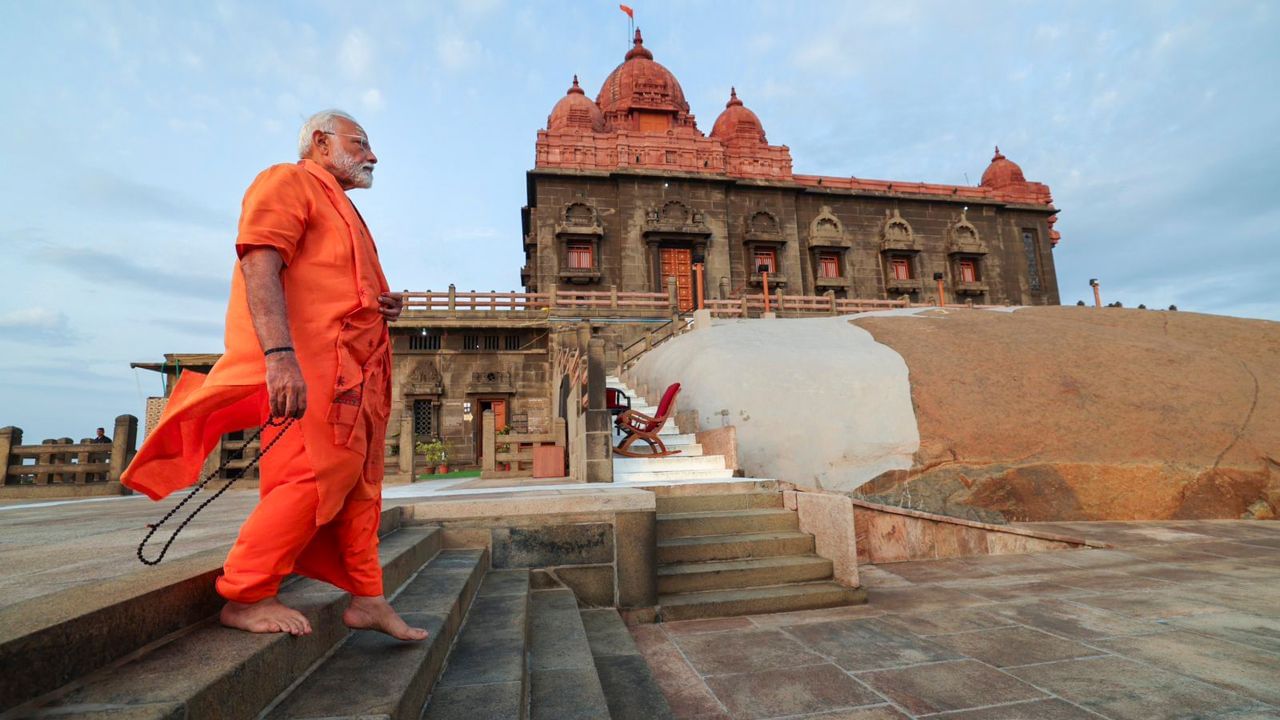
x=627, y=9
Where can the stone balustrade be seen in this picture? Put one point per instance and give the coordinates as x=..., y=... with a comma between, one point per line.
x=60, y=466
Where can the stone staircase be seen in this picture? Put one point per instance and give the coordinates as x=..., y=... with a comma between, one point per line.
x=498, y=649
x=726, y=546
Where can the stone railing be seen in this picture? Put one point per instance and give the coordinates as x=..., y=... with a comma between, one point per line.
x=61, y=466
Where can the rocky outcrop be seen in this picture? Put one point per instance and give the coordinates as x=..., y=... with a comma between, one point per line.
x=1068, y=413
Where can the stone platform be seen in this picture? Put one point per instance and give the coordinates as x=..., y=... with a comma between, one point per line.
x=1180, y=620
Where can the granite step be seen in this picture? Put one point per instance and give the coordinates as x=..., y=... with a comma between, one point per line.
x=64, y=636
x=209, y=671
x=373, y=675
x=757, y=600
x=677, y=463
x=563, y=680
x=629, y=687
x=733, y=501
x=729, y=574
x=487, y=674
x=726, y=522
x=675, y=476
x=734, y=547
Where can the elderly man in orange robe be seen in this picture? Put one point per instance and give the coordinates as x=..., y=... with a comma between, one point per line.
x=306, y=338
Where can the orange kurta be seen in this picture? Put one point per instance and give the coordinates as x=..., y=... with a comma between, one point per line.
x=332, y=281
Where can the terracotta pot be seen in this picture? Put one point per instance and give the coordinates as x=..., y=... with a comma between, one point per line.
x=442, y=468
x=428, y=470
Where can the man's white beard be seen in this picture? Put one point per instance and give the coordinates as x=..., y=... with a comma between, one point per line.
x=358, y=175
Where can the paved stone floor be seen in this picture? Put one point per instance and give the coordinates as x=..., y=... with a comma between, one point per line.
x=1180, y=620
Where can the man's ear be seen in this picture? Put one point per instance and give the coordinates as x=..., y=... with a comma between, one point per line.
x=320, y=139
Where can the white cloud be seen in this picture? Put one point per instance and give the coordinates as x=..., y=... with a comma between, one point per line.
x=456, y=52
x=372, y=100
x=356, y=55
x=40, y=325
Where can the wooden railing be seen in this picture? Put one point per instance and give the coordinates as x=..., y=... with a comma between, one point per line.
x=514, y=451
x=672, y=328
x=63, y=462
x=554, y=299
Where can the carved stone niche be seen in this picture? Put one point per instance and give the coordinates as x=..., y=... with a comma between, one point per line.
x=763, y=226
x=675, y=221
x=491, y=382
x=964, y=238
x=896, y=234
x=580, y=225
x=826, y=230
x=423, y=379
x=580, y=220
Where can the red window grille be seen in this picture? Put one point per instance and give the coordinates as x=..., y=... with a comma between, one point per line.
x=901, y=268
x=581, y=256
x=829, y=265
x=968, y=271
x=765, y=257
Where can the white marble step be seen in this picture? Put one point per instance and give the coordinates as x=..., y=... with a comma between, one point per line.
x=671, y=463
x=677, y=476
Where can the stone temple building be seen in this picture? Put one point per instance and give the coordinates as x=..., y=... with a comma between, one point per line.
x=627, y=191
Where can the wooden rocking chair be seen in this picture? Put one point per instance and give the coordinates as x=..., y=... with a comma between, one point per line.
x=638, y=426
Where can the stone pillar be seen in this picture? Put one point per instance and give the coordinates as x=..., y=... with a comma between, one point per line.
x=673, y=300
x=702, y=319
x=488, y=435
x=407, y=451
x=724, y=288
x=453, y=298
x=10, y=437
x=599, y=421
x=831, y=298
x=123, y=443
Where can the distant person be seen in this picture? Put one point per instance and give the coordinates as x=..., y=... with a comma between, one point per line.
x=306, y=338
x=101, y=437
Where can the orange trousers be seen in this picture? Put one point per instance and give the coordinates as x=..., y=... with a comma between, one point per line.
x=281, y=537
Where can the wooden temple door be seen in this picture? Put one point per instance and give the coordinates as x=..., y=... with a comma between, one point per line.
x=678, y=263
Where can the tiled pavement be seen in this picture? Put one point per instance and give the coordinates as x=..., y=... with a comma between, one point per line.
x=1180, y=620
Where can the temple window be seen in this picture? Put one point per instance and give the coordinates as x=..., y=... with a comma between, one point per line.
x=581, y=256
x=470, y=342
x=766, y=258
x=829, y=265
x=424, y=418
x=424, y=341
x=511, y=342
x=491, y=342
x=1032, y=249
x=900, y=267
x=968, y=270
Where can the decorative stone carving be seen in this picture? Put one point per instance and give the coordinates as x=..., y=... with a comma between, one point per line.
x=896, y=233
x=763, y=226
x=675, y=219
x=580, y=219
x=826, y=230
x=423, y=379
x=964, y=237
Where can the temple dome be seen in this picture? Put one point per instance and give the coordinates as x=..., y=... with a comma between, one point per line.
x=639, y=82
x=738, y=123
x=1002, y=172
x=575, y=111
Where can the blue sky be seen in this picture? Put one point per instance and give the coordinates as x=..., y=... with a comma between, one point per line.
x=134, y=128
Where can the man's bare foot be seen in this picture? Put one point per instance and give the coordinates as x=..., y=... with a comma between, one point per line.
x=375, y=613
x=265, y=616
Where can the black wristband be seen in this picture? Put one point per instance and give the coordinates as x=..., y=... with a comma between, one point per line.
x=283, y=348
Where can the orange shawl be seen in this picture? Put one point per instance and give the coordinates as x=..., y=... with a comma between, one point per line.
x=332, y=281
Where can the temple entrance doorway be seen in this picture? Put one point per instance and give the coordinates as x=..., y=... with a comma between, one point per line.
x=500, y=420
x=678, y=263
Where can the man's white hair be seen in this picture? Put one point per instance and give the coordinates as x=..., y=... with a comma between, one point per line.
x=323, y=121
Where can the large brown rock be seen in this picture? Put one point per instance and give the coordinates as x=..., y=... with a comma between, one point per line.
x=1068, y=413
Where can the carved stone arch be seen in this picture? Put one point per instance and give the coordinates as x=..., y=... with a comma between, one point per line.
x=675, y=212
x=580, y=214
x=826, y=226
x=896, y=233
x=764, y=222
x=423, y=379
x=964, y=236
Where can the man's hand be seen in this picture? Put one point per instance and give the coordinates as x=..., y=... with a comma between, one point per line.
x=391, y=305
x=286, y=389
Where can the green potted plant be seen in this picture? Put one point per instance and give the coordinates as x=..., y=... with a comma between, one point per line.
x=434, y=450
x=502, y=447
x=442, y=465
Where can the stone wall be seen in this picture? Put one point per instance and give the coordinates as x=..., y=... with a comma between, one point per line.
x=725, y=218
